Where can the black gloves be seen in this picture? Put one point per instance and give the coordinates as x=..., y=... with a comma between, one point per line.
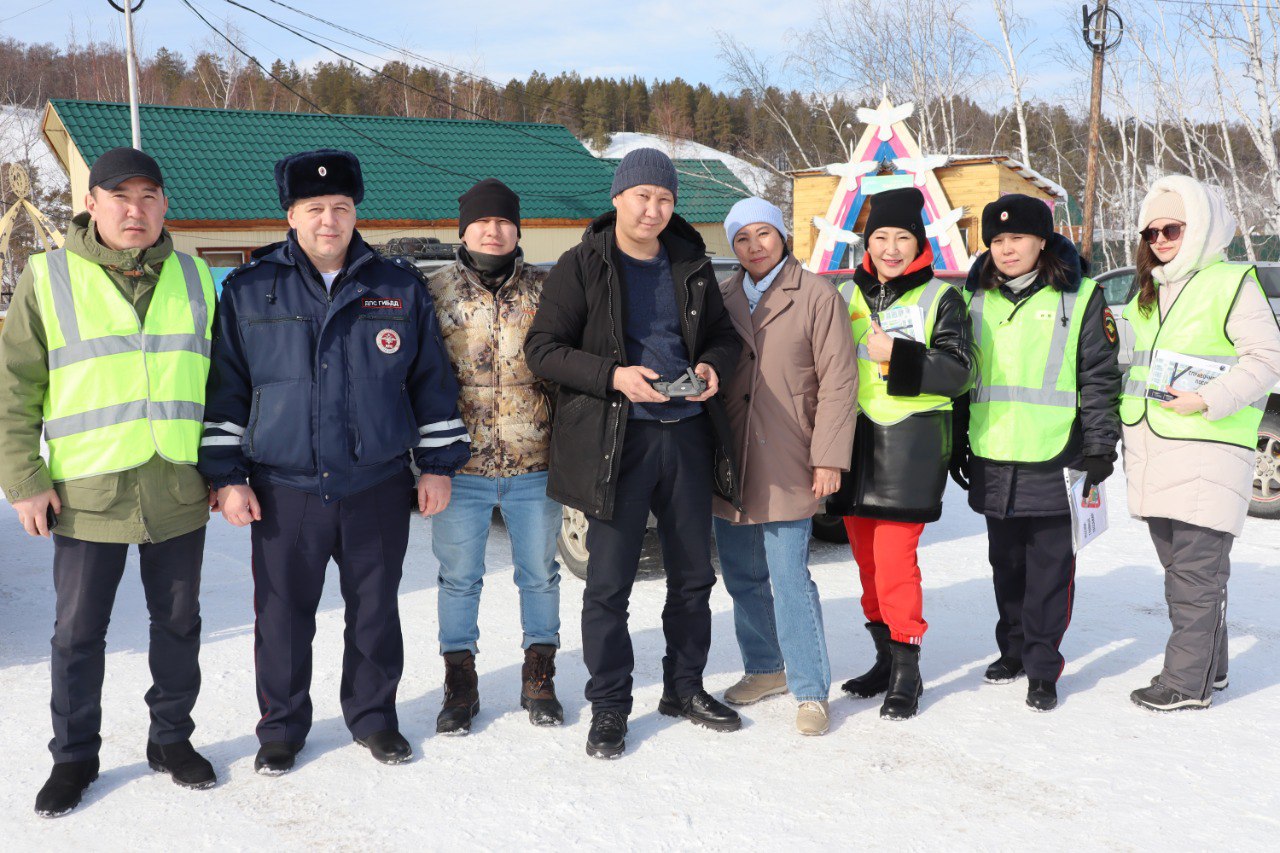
x=959, y=467
x=1096, y=469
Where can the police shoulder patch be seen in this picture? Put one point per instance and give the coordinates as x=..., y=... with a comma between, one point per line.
x=1109, y=325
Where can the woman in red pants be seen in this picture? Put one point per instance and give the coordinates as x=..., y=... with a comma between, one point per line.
x=914, y=355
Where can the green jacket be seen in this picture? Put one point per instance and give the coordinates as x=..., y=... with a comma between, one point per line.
x=152, y=503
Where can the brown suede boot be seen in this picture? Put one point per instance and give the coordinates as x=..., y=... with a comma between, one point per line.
x=538, y=691
x=461, y=694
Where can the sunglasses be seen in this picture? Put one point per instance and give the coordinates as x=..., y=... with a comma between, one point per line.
x=1173, y=231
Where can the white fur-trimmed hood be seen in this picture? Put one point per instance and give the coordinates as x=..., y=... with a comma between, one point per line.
x=1210, y=226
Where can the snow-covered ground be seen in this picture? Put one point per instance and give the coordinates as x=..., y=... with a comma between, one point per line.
x=976, y=770
x=755, y=178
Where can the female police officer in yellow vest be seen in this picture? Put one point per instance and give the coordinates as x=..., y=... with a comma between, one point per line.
x=1189, y=457
x=1046, y=399
x=902, y=438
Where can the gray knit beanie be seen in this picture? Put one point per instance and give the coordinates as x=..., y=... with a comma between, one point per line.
x=645, y=166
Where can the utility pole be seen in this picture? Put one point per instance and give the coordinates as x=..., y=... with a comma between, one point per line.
x=131, y=63
x=1102, y=31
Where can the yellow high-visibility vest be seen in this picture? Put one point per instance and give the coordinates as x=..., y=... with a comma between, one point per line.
x=119, y=391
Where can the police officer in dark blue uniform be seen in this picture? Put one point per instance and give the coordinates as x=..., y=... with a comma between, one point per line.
x=328, y=372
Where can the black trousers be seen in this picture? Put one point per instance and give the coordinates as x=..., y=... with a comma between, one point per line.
x=86, y=576
x=367, y=535
x=1034, y=571
x=666, y=468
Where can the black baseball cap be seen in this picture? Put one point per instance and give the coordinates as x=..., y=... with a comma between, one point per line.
x=118, y=165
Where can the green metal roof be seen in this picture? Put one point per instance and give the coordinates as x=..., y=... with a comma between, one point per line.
x=219, y=164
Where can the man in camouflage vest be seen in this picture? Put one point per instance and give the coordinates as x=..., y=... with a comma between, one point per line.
x=485, y=302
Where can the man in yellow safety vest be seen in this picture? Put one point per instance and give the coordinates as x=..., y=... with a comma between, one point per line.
x=105, y=353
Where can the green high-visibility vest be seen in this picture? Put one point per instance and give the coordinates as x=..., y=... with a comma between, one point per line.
x=1026, y=397
x=1195, y=325
x=874, y=399
x=119, y=391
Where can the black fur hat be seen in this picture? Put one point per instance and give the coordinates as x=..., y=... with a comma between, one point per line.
x=326, y=171
x=1016, y=214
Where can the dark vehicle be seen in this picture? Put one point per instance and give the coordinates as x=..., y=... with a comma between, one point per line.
x=1121, y=287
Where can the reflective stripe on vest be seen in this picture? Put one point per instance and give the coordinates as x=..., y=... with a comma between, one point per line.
x=1195, y=325
x=1026, y=396
x=119, y=391
x=874, y=399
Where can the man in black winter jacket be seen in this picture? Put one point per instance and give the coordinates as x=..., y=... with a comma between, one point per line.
x=634, y=303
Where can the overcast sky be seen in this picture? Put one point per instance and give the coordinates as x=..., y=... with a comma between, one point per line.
x=510, y=38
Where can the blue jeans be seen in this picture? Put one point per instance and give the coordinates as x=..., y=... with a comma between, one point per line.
x=776, y=612
x=458, y=539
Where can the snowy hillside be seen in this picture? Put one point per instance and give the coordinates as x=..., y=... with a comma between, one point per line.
x=20, y=138
x=975, y=771
x=755, y=178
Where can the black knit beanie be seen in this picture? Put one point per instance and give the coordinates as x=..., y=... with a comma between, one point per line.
x=490, y=197
x=1016, y=214
x=902, y=208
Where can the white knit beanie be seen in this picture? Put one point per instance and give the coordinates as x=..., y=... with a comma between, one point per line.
x=750, y=211
x=1163, y=204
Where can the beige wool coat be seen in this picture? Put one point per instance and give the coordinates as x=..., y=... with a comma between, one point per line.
x=792, y=402
x=1207, y=484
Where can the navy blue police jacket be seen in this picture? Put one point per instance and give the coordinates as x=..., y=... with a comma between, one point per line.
x=328, y=392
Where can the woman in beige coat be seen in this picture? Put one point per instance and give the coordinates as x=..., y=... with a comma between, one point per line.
x=1189, y=453
x=791, y=403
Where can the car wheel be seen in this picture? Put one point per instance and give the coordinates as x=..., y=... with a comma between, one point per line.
x=573, y=542
x=830, y=528
x=1266, y=476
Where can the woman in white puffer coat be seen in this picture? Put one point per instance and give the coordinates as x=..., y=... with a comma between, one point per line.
x=1189, y=459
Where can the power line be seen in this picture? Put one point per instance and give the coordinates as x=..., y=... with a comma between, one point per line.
x=1219, y=4
x=444, y=65
x=25, y=11
x=576, y=150
x=335, y=118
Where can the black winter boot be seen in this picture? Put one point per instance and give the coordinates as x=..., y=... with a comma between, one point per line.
x=538, y=690
x=902, y=701
x=876, y=679
x=1042, y=695
x=65, y=787
x=608, y=735
x=1003, y=670
x=461, y=694
x=188, y=768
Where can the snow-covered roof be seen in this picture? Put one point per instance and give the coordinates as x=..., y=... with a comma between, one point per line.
x=755, y=178
x=1053, y=188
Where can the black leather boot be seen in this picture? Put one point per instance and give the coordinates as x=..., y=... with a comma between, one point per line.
x=875, y=680
x=902, y=701
x=461, y=694
x=538, y=686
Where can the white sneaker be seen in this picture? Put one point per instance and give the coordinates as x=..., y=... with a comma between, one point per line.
x=812, y=719
x=754, y=686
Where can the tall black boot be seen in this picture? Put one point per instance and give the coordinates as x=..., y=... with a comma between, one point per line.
x=876, y=679
x=905, y=685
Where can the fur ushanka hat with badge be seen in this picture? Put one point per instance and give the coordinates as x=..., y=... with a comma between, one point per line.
x=326, y=171
x=1016, y=214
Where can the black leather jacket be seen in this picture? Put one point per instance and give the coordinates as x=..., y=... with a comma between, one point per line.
x=899, y=472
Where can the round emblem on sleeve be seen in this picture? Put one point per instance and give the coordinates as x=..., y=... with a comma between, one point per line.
x=1004, y=216
x=323, y=171
x=388, y=340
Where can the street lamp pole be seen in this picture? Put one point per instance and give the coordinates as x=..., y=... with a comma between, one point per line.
x=131, y=64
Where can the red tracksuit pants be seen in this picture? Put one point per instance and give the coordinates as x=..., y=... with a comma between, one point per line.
x=885, y=552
